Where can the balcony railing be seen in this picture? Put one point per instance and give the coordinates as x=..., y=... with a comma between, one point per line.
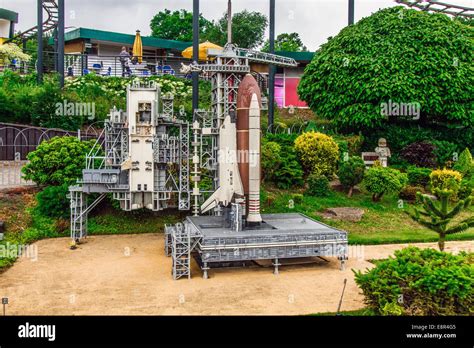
x=83, y=64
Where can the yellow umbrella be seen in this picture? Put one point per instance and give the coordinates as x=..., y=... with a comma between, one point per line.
x=137, y=47
x=188, y=52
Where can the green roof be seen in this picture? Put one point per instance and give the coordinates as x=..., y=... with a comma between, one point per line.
x=125, y=39
x=298, y=56
x=8, y=15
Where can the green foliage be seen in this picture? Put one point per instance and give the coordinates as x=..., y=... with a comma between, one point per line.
x=465, y=164
x=177, y=25
x=445, y=179
x=466, y=188
x=409, y=193
x=379, y=181
x=270, y=159
x=318, y=153
x=57, y=161
x=398, y=55
x=351, y=173
x=438, y=216
x=53, y=202
x=289, y=174
x=419, y=176
x=289, y=42
x=420, y=154
x=444, y=152
x=420, y=282
x=297, y=198
x=318, y=185
x=248, y=29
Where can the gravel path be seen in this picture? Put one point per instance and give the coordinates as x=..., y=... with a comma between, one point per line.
x=129, y=274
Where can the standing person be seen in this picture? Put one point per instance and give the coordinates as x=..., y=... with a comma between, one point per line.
x=124, y=57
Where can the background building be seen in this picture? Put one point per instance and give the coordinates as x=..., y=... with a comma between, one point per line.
x=8, y=19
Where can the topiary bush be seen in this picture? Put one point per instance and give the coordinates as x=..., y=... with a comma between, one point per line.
x=318, y=153
x=420, y=282
x=354, y=71
x=409, y=193
x=318, y=185
x=445, y=179
x=289, y=173
x=420, y=154
x=270, y=159
x=419, y=176
x=465, y=164
x=57, y=161
x=53, y=202
x=445, y=152
x=351, y=173
x=379, y=181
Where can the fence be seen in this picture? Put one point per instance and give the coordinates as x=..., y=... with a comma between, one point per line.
x=16, y=141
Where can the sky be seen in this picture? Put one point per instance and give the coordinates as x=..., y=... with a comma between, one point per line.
x=314, y=20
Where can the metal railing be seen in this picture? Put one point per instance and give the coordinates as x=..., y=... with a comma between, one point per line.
x=83, y=64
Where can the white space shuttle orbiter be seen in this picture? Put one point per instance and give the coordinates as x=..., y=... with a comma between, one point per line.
x=229, y=176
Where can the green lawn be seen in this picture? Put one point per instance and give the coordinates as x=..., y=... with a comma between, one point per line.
x=383, y=222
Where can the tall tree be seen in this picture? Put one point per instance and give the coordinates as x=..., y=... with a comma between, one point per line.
x=248, y=29
x=290, y=42
x=177, y=25
x=395, y=55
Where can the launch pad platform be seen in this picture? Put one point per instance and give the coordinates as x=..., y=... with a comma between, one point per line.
x=281, y=236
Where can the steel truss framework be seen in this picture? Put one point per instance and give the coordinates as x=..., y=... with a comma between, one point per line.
x=105, y=172
x=440, y=7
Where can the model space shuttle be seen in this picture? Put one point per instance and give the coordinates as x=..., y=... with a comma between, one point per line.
x=239, y=154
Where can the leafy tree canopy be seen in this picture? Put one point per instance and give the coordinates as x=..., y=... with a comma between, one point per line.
x=290, y=42
x=396, y=55
x=248, y=29
x=177, y=25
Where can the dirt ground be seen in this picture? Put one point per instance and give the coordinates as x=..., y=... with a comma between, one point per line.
x=130, y=275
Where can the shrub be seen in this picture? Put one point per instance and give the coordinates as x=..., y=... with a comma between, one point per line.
x=52, y=202
x=57, y=161
x=380, y=180
x=319, y=153
x=466, y=188
x=420, y=154
x=270, y=159
x=318, y=185
x=444, y=152
x=445, y=179
x=420, y=282
x=297, y=198
x=465, y=164
x=351, y=173
x=419, y=176
x=289, y=174
x=409, y=192
x=353, y=71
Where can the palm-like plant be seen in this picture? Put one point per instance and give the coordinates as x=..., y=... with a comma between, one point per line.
x=437, y=215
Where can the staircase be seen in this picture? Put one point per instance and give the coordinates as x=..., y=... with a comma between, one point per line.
x=51, y=22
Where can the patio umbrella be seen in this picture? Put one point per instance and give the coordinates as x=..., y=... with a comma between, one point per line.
x=137, y=47
x=188, y=52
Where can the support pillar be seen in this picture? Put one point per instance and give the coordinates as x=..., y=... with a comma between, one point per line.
x=351, y=12
x=39, y=63
x=275, y=265
x=61, y=26
x=195, y=74
x=271, y=76
x=205, y=268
